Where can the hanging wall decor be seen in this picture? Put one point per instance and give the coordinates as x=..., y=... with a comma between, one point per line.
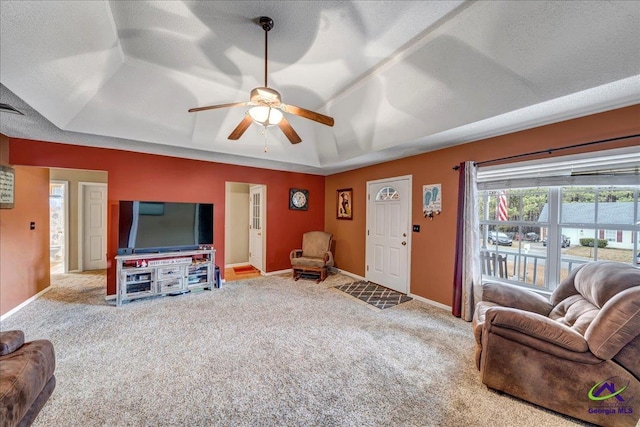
x=431, y=200
x=7, y=187
x=344, y=203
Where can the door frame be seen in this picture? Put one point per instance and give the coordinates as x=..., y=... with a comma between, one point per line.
x=81, y=201
x=66, y=202
x=263, y=218
x=409, y=200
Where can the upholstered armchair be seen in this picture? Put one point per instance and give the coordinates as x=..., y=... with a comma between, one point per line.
x=315, y=257
x=577, y=353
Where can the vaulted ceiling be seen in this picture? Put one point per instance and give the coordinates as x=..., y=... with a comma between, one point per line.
x=399, y=77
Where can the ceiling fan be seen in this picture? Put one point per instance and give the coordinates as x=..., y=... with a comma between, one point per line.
x=266, y=105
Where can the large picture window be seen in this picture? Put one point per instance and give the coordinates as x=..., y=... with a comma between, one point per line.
x=534, y=231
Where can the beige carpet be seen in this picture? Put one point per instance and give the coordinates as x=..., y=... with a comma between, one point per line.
x=262, y=352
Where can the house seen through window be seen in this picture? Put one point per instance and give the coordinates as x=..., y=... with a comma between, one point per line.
x=534, y=236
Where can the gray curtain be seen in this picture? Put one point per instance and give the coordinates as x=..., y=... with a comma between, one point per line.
x=471, y=267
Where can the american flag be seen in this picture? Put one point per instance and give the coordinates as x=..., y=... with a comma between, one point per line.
x=502, y=206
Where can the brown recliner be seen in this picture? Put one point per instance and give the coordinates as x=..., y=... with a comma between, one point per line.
x=577, y=353
x=26, y=378
x=314, y=258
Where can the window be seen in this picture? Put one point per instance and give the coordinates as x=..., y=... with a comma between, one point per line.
x=611, y=235
x=387, y=193
x=553, y=224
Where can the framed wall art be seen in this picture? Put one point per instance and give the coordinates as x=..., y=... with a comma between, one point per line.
x=7, y=187
x=344, y=203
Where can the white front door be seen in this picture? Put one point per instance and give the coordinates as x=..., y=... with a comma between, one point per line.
x=94, y=226
x=388, y=234
x=256, y=220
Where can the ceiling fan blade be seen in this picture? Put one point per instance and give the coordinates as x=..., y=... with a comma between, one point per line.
x=291, y=134
x=242, y=126
x=213, y=107
x=307, y=114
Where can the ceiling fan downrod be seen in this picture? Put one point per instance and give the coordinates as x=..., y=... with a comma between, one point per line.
x=267, y=24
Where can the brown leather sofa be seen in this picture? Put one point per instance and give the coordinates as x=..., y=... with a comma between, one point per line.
x=577, y=353
x=26, y=378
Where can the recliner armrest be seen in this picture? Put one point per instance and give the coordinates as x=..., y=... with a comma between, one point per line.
x=10, y=341
x=296, y=253
x=515, y=297
x=537, y=326
x=328, y=258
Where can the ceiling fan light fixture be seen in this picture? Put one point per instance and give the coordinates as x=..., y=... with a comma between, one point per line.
x=267, y=107
x=265, y=116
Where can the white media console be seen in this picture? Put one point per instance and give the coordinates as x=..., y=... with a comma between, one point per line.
x=152, y=274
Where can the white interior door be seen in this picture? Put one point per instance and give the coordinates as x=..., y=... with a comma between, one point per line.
x=388, y=234
x=94, y=226
x=256, y=220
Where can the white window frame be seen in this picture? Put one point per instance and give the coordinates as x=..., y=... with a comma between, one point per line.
x=607, y=168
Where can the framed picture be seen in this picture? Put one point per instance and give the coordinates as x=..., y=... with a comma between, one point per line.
x=7, y=187
x=344, y=203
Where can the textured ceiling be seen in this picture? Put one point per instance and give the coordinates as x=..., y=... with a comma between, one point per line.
x=400, y=78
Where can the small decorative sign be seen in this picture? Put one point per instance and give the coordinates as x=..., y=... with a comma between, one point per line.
x=7, y=187
x=431, y=200
x=169, y=261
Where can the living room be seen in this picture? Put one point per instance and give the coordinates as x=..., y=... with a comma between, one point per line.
x=25, y=265
x=25, y=276
x=162, y=178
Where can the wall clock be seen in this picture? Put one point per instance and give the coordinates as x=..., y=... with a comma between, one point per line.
x=298, y=199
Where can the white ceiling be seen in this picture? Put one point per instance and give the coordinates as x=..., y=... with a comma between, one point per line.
x=399, y=77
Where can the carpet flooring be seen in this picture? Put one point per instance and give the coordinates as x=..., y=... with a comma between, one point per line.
x=268, y=351
x=376, y=295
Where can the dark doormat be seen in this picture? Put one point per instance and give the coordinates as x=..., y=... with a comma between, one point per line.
x=376, y=295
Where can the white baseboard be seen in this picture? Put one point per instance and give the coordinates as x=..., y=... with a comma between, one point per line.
x=346, y=273
x=25, y=303
x=430, y=302
x=273, y=273
x=110, y=297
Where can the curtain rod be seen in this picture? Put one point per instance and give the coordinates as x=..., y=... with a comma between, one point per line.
x=551, y=150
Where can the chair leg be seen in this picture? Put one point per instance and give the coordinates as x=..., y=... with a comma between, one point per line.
x=322, y=275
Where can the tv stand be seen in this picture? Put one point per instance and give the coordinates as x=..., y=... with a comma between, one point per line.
x=169, y=273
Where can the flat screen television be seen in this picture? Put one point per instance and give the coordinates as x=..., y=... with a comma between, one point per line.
x=147, y=227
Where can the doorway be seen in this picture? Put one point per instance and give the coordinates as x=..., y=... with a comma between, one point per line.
x=245, y=225
x=388, y=239
x=59, y=226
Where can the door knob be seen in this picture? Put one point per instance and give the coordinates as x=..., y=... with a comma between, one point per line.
x=404, y=243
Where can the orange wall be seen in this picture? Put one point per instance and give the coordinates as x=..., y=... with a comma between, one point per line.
x=433, y=248
x=136, y=176
x=24, y=253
